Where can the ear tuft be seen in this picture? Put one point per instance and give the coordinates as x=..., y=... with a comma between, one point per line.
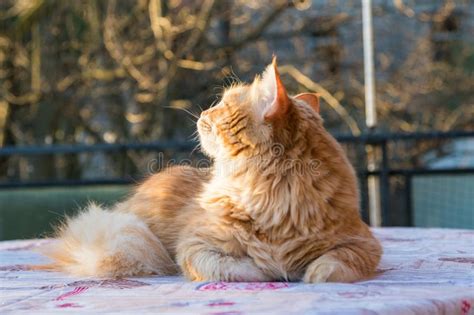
x=311, y=99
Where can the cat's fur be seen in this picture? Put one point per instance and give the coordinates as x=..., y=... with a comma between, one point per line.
x=280, y=203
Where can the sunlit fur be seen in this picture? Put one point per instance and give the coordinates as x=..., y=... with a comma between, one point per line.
x=280, y=203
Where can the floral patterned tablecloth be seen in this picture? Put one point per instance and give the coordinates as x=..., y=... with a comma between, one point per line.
x=423, y=271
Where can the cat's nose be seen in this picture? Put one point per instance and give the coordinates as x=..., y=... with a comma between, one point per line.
x=206, y=112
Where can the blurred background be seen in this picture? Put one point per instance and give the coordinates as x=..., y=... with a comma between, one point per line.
x=96, y=94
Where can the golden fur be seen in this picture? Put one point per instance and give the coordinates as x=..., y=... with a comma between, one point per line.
x=280, y=203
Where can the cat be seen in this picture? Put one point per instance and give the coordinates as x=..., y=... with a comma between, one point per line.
x=279, y=204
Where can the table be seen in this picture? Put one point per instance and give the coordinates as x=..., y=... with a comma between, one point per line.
x=423, y=271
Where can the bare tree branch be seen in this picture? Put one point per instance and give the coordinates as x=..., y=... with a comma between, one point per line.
x=331, y=100
x=257, y=31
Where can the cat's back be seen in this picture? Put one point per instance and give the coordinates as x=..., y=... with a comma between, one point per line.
x=174, y=184
x=164, y=198
x=169, y=190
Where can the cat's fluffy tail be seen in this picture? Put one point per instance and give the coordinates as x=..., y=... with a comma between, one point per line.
x=104, y=243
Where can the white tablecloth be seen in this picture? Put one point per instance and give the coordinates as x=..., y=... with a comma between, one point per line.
x=423, y=271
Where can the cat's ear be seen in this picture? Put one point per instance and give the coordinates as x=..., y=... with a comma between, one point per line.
x=311, y=99
x=278, y=102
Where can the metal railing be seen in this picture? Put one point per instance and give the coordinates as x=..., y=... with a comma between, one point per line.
x=381, y=141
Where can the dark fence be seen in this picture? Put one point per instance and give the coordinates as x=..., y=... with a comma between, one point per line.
x=392, y=153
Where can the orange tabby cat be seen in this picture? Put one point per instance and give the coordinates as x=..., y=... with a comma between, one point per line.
x=280, y=203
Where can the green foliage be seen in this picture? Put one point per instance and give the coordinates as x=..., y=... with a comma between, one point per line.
x=30, y=213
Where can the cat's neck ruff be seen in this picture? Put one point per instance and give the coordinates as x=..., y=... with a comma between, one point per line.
x=269, y=193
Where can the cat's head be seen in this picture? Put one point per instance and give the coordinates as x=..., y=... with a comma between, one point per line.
x=259, y=119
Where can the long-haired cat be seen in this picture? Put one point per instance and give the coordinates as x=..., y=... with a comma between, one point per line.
x=280, y=203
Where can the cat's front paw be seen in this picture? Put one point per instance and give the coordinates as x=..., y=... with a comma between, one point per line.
x=227, y=268
x=328, y=269
x=241, y=270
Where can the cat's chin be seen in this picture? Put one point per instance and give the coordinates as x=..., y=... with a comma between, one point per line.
x=208, y=147
x=208, y=151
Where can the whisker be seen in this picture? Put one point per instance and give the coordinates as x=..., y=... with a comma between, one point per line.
x=184, y=110
x=194, y=136
x=200, y=108
x=198, y=146
x=231, y=79
x=234, y=75
x=215, y=102
x=219, y=90
x=193, y=120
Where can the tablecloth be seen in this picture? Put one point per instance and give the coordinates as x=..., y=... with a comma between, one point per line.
x=423, y=271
